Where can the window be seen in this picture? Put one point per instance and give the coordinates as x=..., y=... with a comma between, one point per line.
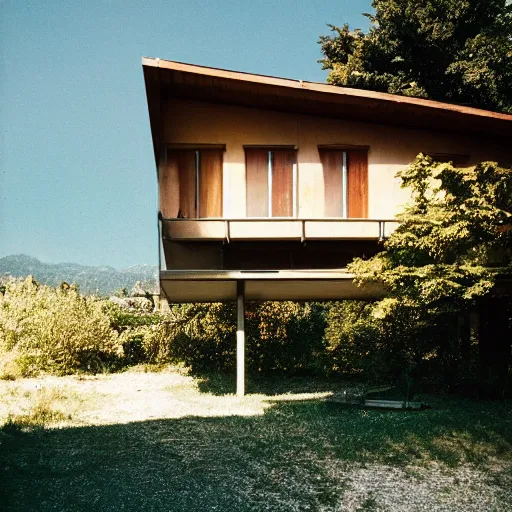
x=345, y=173
x=191, y=183
x=271, y=181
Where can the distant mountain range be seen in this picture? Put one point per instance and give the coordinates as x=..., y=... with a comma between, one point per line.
x=91, y=280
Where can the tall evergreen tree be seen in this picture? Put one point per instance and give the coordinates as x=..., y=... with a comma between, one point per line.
x=457, y=51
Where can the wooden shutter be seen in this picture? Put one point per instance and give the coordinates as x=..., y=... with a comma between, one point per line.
x=282, y=182
x=357, y=163
x=187, y=176
x=332, y=163
x=256, y=172
x=168, y=189
x=210, y=183
x=178, y=185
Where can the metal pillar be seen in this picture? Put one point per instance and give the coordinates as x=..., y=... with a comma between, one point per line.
x=240, y=339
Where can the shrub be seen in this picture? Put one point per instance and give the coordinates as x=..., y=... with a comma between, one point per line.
x=53, y=329
x=122, y=317
x=204, y=336
x=285, y=336
x=281, y=336
x=59, y=331
x=355, y=340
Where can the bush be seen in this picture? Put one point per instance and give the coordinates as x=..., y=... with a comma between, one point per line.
x=280, y=336
x=57, y=330
x=286, y=337
x=204, y=336
x=140, y=331
x=53, y=329
x=351, y=335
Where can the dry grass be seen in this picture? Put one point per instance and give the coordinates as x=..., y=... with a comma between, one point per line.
x=32, y=404
x=135, y=395
x=156, y=441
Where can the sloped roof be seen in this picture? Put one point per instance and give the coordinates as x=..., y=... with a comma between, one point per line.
x=165, y=78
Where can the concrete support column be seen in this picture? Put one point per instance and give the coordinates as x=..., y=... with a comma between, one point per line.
x=240, y=338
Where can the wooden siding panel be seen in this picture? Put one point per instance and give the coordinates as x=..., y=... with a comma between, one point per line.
x=168, y=189
x=210, y=183
x=332, y=162
x=282, y=183
x=181, y=167
x=178, y=185
x=357, y=163
x=256, y=165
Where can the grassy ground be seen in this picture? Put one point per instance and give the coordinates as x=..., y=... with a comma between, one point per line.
x=165, y=441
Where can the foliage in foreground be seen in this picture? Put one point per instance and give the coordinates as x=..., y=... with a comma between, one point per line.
x=459, y=51
x=453, y=241
x=52, y=329
x=452, y=248
x=59, y=331
x=285, y=337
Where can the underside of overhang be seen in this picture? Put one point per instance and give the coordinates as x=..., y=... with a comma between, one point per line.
x=278, y=285
x=179, y=286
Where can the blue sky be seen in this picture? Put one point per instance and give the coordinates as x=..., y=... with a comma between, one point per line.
x=77, y=175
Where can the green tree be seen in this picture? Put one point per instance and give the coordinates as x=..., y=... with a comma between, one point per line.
x=457, y=51
x=452, y=247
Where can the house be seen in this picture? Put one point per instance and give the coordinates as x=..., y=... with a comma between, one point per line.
x=268, y=187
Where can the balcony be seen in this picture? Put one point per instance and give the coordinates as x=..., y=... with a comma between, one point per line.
x=275, y=229
x=276, y=258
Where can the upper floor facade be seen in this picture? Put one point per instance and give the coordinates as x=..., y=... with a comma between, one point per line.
x=259, y=174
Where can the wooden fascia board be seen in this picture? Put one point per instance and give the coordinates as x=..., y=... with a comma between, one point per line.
x=325, y=89
x=153, y=99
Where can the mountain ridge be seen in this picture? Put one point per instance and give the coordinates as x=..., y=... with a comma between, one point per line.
x=100, y=280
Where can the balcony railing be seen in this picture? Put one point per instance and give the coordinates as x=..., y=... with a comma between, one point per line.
x=260, y=229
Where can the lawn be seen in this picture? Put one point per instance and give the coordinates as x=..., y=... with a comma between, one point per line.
x=166, y=441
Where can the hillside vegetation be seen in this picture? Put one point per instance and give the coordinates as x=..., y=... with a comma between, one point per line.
x=91, y=280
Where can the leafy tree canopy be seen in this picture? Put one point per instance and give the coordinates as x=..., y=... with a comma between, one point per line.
x=453, y=242
x=457, y=51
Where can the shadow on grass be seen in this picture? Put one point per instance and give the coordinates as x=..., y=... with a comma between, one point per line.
x=296, y=456
x=220, y=384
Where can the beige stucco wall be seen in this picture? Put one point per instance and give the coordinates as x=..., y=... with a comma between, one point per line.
x=391, y=149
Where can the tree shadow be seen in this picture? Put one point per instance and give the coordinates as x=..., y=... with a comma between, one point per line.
x=297, y=455
x=279, y=383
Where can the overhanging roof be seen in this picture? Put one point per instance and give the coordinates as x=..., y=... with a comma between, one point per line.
x=165, y=79
x=301, y=285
